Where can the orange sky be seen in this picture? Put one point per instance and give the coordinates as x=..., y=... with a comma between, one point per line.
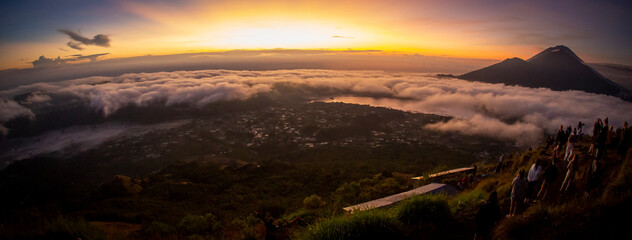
x=485, y=29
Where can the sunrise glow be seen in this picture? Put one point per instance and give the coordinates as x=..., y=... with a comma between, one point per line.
x=285, y=119
x=482, y=30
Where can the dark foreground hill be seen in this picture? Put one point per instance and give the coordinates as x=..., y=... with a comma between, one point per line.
x=230, y=164
x=591, y=208
x=557, y=68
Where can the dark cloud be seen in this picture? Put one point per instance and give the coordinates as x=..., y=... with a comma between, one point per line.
x=77, y=40
x=74, y=45
x=48, y=62
x=92, y=57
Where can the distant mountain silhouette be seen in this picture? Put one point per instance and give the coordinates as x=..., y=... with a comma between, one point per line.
x=557, y=68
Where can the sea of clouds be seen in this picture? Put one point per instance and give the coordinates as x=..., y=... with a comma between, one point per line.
x=512, y=113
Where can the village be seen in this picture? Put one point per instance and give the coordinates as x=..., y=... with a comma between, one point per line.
x=302, y=126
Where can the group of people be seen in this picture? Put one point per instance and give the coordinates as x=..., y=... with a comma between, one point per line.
x=566, y=139
x=536, y=183
x=543, y=175
x=605, y=137
x=539, y=181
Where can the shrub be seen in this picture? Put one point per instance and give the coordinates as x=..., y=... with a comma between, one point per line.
x=72, y=229
x=313, y=202
x=199, y=224
x=374, y=224
x=527, y=226
x=570, y=220
x=156, y=228
x=620, y=187
x=196, y=237
x=488, y=185
x=348, y=193
x=423, y=210
x=368, y=189
x=304, y=217
x=468, y=201
x=271, y=208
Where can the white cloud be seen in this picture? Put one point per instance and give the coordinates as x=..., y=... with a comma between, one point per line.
x=36, y=98
x=10, y=109
x=524, y=133
x=505, y=112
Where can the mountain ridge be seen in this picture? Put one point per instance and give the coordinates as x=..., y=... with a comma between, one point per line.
x=557, y=68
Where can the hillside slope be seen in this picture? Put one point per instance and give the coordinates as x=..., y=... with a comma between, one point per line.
x=581, y=213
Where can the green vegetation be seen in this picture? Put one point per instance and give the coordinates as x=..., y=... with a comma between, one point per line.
x=468, y=202
x=364, y=225
x=208, y=201
x=199, y=224
x=574, y=220
x=371, y=188
x=56, y=228
x=426, y=216
x=595, y=217
x=313, y=202
x=159, y=229
x=575, y=215
x=208, y=187
x=71, y=228
x=426, y=209
x=622, y=182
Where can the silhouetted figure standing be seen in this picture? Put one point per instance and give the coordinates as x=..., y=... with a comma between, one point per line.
x=593, y=177
x=597, y=128
x=556, y=151
x=533, y=177
x=609, y=136
x=549, y=143
x=487, y=216
x=500, y=163
x=624, y=142
x=518, y=192
x=549, y=175
x=561, y=136
x=570, y=147
x=601, y=143
x=572, y=166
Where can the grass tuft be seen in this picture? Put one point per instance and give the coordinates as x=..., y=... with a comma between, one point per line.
x=62, y=228
x=424, y=209
x=375, y=224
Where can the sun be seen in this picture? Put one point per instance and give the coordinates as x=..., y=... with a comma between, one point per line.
x=286, y=34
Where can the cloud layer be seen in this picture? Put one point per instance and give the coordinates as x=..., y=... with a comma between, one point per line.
x=48, y=62
x=10, y=109
x=506, y=112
